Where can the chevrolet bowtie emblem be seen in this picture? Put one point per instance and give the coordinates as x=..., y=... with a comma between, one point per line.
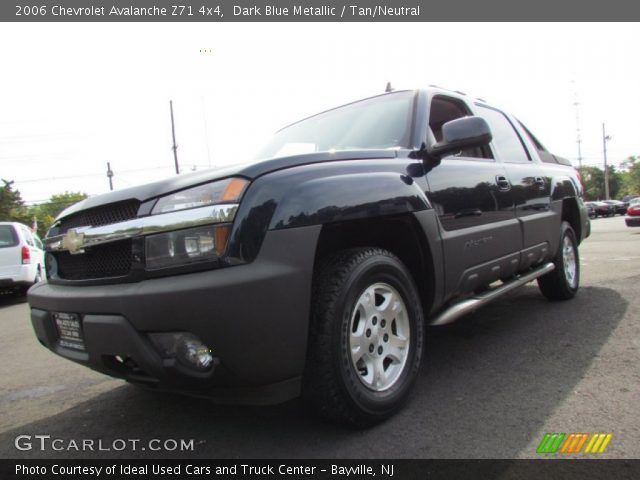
x=73, y=241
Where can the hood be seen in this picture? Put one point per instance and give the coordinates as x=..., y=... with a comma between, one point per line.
x=250, y=171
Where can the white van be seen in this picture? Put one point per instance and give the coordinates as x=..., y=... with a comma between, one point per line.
x=21, y=257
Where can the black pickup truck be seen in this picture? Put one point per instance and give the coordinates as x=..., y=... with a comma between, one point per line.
x=314, y=270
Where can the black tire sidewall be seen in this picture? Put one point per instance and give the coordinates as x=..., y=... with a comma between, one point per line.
x=377, y=269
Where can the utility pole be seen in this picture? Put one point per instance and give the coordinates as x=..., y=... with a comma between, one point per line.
x=579, y=138
x=206, y=130
x=173, y=134
x=605, y=139
x=110, y=176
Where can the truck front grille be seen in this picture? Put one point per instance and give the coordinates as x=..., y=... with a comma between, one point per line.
x=101, y=261
x=98, y=216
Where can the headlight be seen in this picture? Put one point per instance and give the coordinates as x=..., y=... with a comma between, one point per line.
x=184, y=247
x=223, y=191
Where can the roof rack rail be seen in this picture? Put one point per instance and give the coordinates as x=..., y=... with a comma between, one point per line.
x=448, y=89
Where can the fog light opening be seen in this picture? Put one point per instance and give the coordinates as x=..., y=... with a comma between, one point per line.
x=186, y=348
x=195, y=354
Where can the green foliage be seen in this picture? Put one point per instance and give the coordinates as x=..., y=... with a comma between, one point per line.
x=46, y=212
x=12, y=208
x=593, y=181
x=631, y=176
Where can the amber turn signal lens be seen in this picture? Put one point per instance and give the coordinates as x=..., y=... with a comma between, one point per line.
x=234, y=189
x=221, y=238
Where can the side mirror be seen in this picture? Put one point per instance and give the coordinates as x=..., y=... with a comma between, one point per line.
x=460, y=134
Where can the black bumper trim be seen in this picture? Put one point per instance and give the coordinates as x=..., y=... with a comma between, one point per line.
x=254, y=317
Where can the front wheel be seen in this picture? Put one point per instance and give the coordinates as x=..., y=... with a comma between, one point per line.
x=366, y=339
x=563, y=282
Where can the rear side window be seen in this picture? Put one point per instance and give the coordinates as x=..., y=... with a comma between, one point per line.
x=8, y=236
x=27, y=236
x=543, y=153
x=506, y=140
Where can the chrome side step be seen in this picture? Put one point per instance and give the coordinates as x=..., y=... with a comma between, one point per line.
x=470, y=304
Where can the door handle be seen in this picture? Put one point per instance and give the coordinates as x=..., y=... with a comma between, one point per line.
x=469, y=212
x=503, y=183
x=540, y=182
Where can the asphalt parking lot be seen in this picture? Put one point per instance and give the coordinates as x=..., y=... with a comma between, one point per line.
x=492, y=385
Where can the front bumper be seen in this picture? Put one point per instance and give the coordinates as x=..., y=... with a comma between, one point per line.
x=632, y=221
x=254, y=317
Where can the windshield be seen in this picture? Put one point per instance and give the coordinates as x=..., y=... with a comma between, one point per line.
x=382, y=122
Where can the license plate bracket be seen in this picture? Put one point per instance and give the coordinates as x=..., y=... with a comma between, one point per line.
x=69, y=327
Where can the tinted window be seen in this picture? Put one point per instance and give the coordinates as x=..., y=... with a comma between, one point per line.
x=544, y=155
x=8, y=236
x=376, y=123
x=443, y=109
x=506, y=141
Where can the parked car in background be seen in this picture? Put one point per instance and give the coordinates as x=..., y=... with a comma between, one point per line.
x=633, y=213
x=602, y=209
x=21, y=257
x=627, y=199
x=591, y=209
x=618, y=206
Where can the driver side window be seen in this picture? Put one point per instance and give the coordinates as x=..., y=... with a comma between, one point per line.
x=444, y=109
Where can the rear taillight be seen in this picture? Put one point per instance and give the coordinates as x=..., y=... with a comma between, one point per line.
x=26, y=254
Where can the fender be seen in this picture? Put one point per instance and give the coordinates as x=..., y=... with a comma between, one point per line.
x=348, y=197
x=563, y=186
x=323, y=193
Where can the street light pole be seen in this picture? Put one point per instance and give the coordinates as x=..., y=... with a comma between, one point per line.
x=605, y=138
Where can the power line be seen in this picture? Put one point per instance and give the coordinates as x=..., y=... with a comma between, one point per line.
x=48, y=179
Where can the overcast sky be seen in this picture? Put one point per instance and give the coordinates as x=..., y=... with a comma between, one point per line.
x=76, y=96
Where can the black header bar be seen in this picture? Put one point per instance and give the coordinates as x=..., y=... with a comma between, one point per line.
x=315, y=10
x=321, y=469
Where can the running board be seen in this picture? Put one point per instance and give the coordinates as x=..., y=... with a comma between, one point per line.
x=470, y=304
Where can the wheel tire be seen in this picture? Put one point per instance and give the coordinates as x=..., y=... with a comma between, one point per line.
x=377, y=387
x=563, y=282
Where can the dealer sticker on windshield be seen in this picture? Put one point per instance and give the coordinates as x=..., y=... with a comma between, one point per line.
x=69, y=330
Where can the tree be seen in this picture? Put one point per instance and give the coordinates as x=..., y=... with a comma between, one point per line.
x=12, y=207
x=615, y=181
x=631, y=176
x=593, y=180
x=46, y=212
